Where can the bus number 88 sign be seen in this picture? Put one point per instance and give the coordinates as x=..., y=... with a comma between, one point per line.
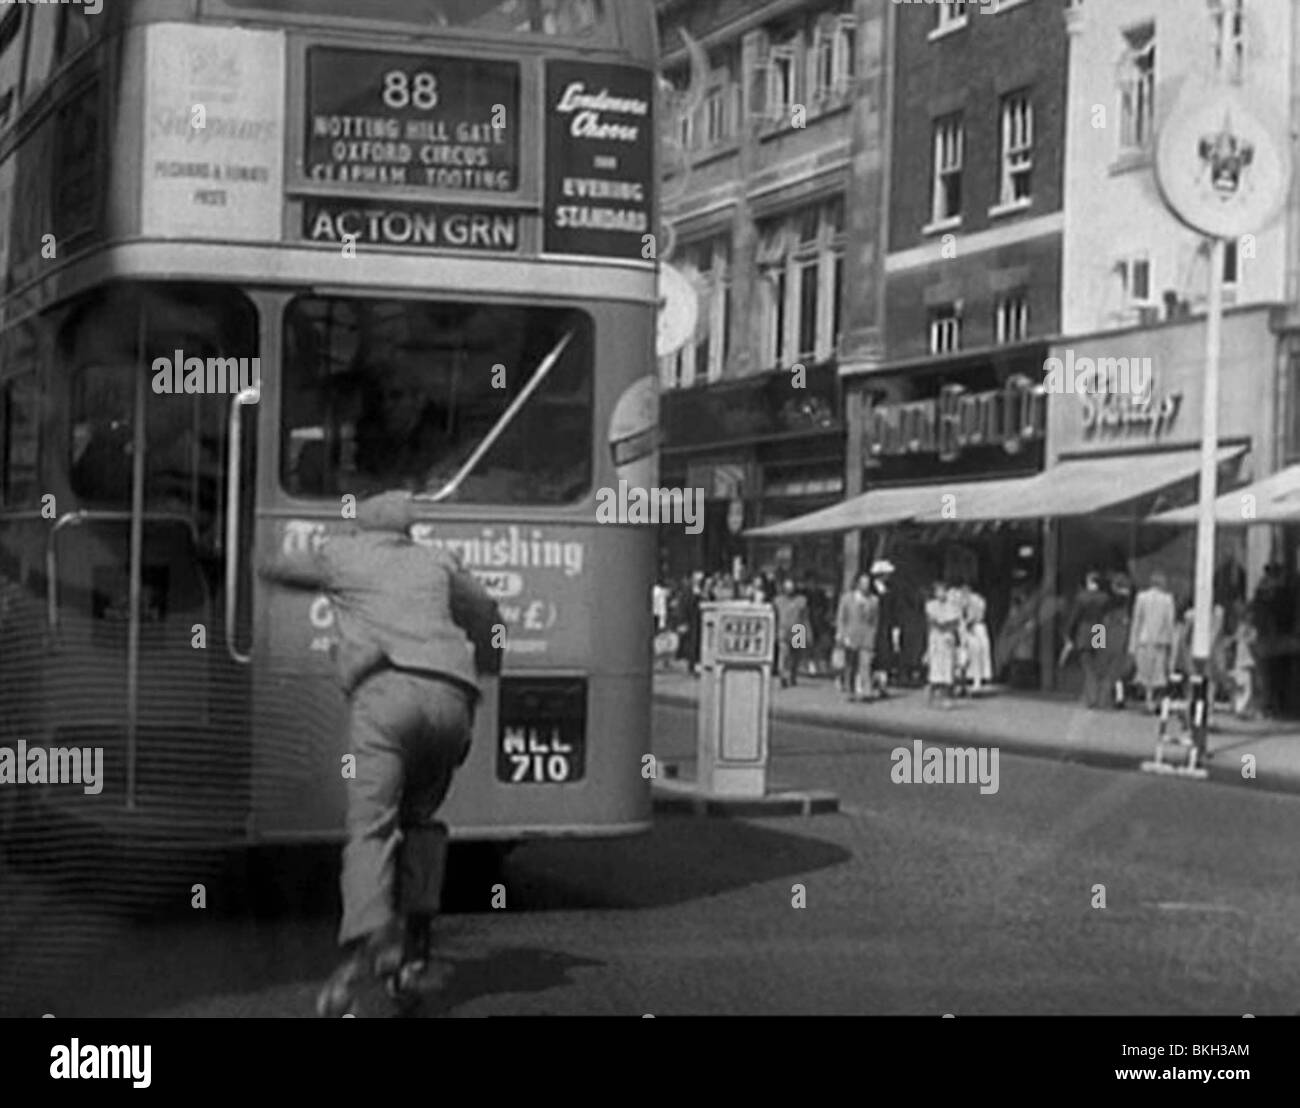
x=412, y=121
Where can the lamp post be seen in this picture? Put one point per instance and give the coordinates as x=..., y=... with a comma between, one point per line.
x=1223, y=170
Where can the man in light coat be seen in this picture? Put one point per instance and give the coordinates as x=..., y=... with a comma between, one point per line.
x=415, y=632
x=792, y=631
x=856, y=626
x=1152, y=635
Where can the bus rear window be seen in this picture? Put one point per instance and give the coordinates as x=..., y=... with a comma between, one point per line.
x=472, y=403
x=567, y=18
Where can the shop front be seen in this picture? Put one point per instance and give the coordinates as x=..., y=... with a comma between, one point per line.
x=1141, y=444
x=927, y=435
x=764, y=449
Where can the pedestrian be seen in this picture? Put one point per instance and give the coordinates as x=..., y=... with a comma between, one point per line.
x=1151, y=637
x=415, y=633
x=1085, y=636
x=659, y=605
x=856, y=624
x=888, y=633
x=1117, y=663
x=961, y=656
x=792, y=630
x=979, y=649
x=1243, y=668
x=942, y=619
x=1265, y=616
x=688, y=648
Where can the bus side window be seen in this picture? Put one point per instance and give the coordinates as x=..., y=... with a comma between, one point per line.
x=100, y=462
x=40, y=50
x=76, y=29
x=11, y=61
x=19, y=441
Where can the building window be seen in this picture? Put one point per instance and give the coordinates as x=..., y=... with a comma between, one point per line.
x=782, y=74
x=844, y=62
x=945, y=329
x=1138, y=87
x=947, y=168
x=1132, y=286
x=707, y=265
x=715, y=120
x=1017, y=149
x=800, y=257
x=951, y=15
x=831, y=58
x=1011, y=318
x=1230, y=39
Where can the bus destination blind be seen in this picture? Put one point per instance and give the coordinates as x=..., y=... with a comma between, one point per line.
x=412, y=121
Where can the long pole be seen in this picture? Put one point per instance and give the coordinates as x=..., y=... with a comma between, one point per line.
x=1202, y=637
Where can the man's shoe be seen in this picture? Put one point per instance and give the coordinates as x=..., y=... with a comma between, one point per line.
x=385, y=948
x=340, y=991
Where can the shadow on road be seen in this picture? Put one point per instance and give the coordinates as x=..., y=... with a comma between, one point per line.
x=97, y=928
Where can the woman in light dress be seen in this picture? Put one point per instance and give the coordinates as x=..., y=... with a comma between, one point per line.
x=975, y=635
x=943, y=620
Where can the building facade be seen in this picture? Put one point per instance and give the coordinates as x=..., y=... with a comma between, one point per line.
x=772, y=206
x=972, y=295
x=1136, y=281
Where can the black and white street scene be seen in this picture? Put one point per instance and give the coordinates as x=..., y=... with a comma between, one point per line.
x=649, y=508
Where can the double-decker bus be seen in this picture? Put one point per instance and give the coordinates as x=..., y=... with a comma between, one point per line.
x=262, y=258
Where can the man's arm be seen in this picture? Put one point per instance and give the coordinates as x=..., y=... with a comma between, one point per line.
x=306, y=570
x=476, y=613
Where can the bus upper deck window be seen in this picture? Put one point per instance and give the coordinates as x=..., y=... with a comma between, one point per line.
x=568, y=18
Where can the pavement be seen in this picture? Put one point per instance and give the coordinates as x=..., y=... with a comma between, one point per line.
x=1037, y=725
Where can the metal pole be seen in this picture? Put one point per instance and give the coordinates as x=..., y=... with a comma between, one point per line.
x=1202, y=636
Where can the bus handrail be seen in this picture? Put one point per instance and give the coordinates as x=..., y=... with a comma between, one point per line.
x=84, y=515
x=233, y=509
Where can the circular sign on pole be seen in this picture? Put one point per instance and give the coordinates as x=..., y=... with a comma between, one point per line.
x=679, y=310
x=1222, y=162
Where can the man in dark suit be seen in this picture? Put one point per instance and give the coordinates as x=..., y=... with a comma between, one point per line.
x=1086, y=636
x=415, y=632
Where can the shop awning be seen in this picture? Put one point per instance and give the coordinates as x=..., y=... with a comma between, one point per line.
x=1077, y=487
x=1276, y=500
x=878, y=508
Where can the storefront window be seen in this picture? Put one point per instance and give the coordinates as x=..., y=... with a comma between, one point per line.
x=422, y=395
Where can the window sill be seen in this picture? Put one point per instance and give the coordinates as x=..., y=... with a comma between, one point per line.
x=829, y=105
x=948, y=29
x=999, y=210
x=1130, y=160
x=723, y=149
x=952, y=223
x=770, y=128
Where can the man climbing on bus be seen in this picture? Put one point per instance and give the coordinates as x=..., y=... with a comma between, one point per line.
x=415, y=634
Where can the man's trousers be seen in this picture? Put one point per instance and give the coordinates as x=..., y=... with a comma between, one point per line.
x=409, y=733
